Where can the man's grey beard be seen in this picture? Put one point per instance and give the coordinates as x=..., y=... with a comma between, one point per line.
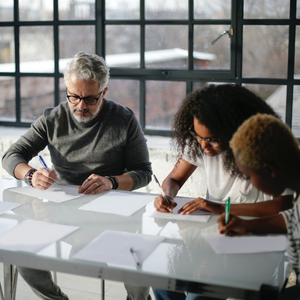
x=83, y=119
x=86, y=119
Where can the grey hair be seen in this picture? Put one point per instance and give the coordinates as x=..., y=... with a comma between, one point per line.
x=88, y=67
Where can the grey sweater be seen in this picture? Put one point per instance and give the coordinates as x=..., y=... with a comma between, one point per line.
x=111, y=144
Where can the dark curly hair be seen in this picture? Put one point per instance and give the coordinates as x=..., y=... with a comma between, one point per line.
x=222, y=109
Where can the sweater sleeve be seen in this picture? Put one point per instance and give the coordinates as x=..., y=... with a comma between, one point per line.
x=27, y=146
x=137, y=155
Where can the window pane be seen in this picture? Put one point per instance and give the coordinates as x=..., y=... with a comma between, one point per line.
x=122, y=9
x=7, y=99
x=166, y=46
x=7, y=49
x=201, y=84
x=265, y=51
x=36, y=49
x=6, y=10
x=125, y=92
x=296, y=111
x=37, y=93
x=298, y=10
x=62, y=91
x=297, y=51
x=73, y=39
x=162, y=101
x=76, y=10
x=274, y=95
x=206, y=55
x=266, y=9
x=217, y=9
x=167, y=9
x=123, y=46
x=36, y=10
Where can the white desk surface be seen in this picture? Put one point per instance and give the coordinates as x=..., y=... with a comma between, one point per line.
x=184, y=261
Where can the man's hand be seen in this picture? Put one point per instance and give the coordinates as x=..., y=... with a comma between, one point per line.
x=201, y=204
x=161, y=205
x=236, y=226
x=95, y=184
x=43, y=179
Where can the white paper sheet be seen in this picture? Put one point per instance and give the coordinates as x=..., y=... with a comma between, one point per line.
x=119, y=203
x=7, y=206
x=113, y=247
x=245, y=244
x=56, y=193
x=32, y=236
x=197, y=216
x=6, y=224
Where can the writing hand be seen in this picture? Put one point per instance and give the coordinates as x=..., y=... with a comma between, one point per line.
x=201, y=204
x=42, y=179
x=161, y=205
x=95, y=184
x=236, y=226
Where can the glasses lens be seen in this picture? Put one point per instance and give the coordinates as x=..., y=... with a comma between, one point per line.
x=214, y=143
x=199, y=140
x=90, y=100
x=73, y=100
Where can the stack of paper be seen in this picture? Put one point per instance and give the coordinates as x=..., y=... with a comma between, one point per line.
x=245, y=244
x=32, y=236
x=119, y=203
x=7, y=206
x=56, y=193
x=197, y=216
x=113, y=247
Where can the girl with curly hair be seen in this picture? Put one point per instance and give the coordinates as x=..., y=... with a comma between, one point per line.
x=203, y=127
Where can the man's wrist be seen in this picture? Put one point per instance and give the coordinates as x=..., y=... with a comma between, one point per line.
x=28, y=177
x=114, y=181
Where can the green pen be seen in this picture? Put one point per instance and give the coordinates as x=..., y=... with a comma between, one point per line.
x=227, y=211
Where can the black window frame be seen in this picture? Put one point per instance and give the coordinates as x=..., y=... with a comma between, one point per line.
x=142, y=74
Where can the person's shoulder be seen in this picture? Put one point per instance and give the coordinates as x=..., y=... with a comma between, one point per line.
x=54, y=112
x=119, y=109
x=196, y=160
x=113, y=105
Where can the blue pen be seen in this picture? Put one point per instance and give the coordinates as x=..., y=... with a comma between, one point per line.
x=44, y=165
x=227, y=211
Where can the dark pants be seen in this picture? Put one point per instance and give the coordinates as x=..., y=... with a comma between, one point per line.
x=168, y=295
x=291, y=293
x=44, y=287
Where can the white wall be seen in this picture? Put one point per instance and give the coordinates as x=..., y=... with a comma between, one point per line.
x=161, y=157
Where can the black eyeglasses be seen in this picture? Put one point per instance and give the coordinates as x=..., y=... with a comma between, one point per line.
x=87, y=100
x=213, y=142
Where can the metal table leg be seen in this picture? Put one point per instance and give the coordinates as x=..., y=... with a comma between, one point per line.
x=10, y=274
x=103, y=289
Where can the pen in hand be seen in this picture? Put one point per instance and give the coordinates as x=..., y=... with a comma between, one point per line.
x=135, y=257
x=44, y=164
x=162, y=191
x=227, y=212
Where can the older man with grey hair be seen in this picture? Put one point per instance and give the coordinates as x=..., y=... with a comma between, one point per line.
x=93, y=142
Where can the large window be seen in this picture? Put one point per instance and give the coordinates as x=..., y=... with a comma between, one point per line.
x=158, y=52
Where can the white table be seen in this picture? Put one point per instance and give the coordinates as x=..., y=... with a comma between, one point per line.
x=183, y=262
